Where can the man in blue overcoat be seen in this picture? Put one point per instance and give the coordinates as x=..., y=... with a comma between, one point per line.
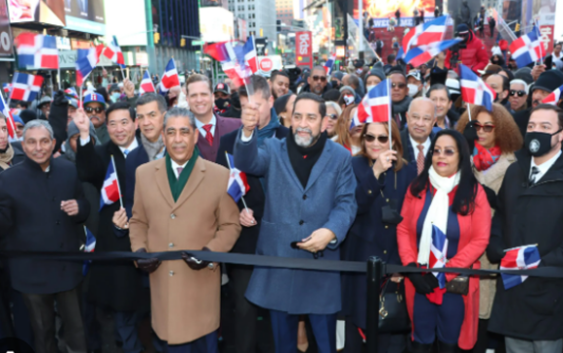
x=310, y=205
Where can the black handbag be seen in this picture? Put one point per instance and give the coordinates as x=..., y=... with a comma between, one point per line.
x=458, y=285
x=393, y=314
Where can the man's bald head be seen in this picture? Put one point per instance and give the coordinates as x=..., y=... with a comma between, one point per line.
x=421, y=118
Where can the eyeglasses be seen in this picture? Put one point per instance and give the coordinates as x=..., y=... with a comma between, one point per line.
x=332, y=116
x=485, y=128
x=381, y=138
x=519, y=93
x=98, y=110
x=447, y=152
x=322, y=78
x=399, y=85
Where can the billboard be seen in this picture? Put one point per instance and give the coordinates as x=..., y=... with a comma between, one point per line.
x=129, y=30
x=542, y=14
x=47, y=11
x=216, y=24
x=5, y=32
x=304, y=49
x=381, y=10
x=87, y=15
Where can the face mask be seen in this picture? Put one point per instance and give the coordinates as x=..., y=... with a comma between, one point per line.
x=368, y=88
x=538, y=143
x=115, y=96
x=413, y=89
x=348, y=100
x=222, y=103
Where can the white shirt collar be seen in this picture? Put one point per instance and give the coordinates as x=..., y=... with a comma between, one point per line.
x=175, y=167
x=426, y=145
x=199, y=124
x=130, y=148
x=544, y=167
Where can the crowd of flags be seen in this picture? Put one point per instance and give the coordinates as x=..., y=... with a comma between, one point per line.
x=238, y=62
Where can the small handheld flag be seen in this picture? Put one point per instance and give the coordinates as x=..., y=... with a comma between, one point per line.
x=238, y=185
x=474, y=90
x=26, y=87
x=170, y=77
x=329, y=64
x=527, y=49
x=114, y=53
x=422, y=54
x=4, y=109
x=425, y=33
x=85, y=64
x=519, y=258
x=111, y=191
x=553, y=97
x=37, y=51
x=375, y=106
x=438, y=253
x=250, y=56
x=217, y=51
x=146, y=84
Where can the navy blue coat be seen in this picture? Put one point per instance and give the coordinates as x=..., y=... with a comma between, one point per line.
x=291, y=214
x=369, y=235
x=32, y=220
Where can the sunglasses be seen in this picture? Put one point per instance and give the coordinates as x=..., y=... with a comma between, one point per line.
x=322, y=78
x=485, y=128
x=380, y=138
x=98, y=110
x=447, y=152
x=399, y=85
x=332, y=116
x=519, y=93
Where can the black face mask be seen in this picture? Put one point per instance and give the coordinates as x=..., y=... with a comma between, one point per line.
x=222, y=103
x=538, y=143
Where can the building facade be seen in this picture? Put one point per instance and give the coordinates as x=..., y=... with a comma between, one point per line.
x=260, y=16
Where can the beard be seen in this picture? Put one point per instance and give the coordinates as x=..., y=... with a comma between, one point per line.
x=304, y=141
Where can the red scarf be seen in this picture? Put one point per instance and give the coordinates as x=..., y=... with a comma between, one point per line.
x=484, y=158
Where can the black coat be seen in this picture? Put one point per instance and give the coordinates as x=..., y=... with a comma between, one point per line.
x=409, y=152
x=529, y=215
x=521, y=118
x=255, y=198
x=369, y=234
x=32, y=220
x=119, y=285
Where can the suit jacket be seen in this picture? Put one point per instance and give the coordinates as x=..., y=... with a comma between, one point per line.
x=255, y=197
x=223, y=127
x=31, y=219
x=409, y=152
x=185, y=303
x=292, y=213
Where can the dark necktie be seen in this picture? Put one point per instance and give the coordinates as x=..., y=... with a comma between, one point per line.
x=535, y=171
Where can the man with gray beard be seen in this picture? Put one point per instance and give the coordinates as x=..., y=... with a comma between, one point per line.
x=310, y=205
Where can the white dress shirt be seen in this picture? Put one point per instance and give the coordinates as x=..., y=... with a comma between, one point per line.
x=129, y=148
x=425, y=145
x=200, y=125
x=175, y=167
x=544, y=167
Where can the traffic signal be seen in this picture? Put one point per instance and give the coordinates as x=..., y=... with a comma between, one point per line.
x=183, y=42
x=156, y=37
x=278, y=25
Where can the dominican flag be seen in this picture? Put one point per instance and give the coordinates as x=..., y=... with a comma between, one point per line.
x=114, y=53
x=71, y=92
x=554, y=97
x=170, y=77
x=329, y=64
x=85, y=64
x=426, y=33
x=250, y=56
x=422, y=54
x=376, y=105
x=26, y=87
x=438, y=253
x=110, y=192
x=217, y=51
x=519, y=258
x=89, y=247
x=7, y=87
x=146, y=84
x=238, y=186
x=527, y=49
x=474, y=90
x=4, y=109
x=37, y=51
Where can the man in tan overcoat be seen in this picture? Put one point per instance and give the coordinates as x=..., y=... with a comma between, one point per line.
x=181, y=203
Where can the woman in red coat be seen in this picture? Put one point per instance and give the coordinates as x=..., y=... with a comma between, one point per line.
x=446, y=201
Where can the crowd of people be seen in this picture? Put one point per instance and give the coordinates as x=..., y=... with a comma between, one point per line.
x=488, y=179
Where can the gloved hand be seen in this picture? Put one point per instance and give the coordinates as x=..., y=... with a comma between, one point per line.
x=147, y=265
x=470, y=134
x=195, y=263
x=60, y=99
x=431, y=280
x=420, y=283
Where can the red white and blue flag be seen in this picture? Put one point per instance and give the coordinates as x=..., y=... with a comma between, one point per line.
x=553, y=97
x=170, y=77
x=217, y=51
x=519, y=258
x=238, y=185
x=26, y=87
x=426, y=33
x=250, y=56
x=474, y=90
x=375, y=107
x=438, y=253
x=422, y=54
x=527, y=49
x=329, y=64
x=89, y=247
x=37, y=51
x=4, y=109
x=146, y=84
x=86, y=61
x=110, y=192
x=7, y=87
x=114, y=53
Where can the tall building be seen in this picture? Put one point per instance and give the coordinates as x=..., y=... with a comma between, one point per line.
x=284, y=11
x=260, y=16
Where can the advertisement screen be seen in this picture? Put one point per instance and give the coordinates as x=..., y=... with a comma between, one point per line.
x=85, y=15
x=542, y=14
x=5, y=32
x=216, y=24
x=128, y=29
x=381, y=10
x=47, y=11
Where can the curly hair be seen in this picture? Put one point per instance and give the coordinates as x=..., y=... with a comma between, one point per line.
x=343, y=126
x=507, y=133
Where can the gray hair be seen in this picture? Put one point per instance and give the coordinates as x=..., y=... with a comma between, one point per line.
x=520, y=82
x=37, y=123
x=177, y=112
x=424, y=99
x=335, y=106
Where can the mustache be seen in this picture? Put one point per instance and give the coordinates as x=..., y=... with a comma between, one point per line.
x=176, y=145
x=304, y=129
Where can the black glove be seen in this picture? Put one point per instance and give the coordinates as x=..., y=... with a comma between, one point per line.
x=470, y=134
x=60, y=99
x=195, y=263
x=419, y=281
x=147, y=265
x=431, y=280
x=491, y=196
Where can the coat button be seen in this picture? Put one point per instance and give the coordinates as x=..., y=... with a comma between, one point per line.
x=369, y=192
x=386, y=227
x=304, y=197
x=171, y=273
x=385, y=251
x=301, y=222
x=173, y=216
x=171, y=245
x=387, y=200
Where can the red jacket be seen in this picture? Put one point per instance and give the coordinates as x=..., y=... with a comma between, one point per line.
x=475, y=230
x=474, y=56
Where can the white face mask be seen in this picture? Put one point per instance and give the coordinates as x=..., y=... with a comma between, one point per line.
x=413, y=89
x=349, y=100
x=368, y=88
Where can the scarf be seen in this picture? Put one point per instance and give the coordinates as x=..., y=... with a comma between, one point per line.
x=303, y=159
x=152, y=148
x=437, y=212
x=177, y=185
x=269, y=130
x=402, y=106
x=484, y=158
x=6, y=157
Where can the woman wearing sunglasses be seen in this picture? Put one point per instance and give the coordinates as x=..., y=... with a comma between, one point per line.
x=445, y=202
x=382, y=177
x=497, y=140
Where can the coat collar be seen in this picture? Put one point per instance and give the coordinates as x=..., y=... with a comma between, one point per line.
x=497, y=170
x=193, y=182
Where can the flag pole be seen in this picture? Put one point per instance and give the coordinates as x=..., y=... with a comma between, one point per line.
x=80, y=103
x=469, y=111
x=389, y=117
x=118, y=187
x=230, y=168
x=541, y=43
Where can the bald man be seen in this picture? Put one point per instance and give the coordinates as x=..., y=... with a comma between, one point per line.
x=416, y=138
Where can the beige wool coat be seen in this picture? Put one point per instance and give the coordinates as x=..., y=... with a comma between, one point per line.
x=491, y=178
x=185, y=303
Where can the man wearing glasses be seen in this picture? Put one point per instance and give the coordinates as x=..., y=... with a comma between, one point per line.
x=317, y=82
x=518, y=95
x=399, y=97
x=95, y=108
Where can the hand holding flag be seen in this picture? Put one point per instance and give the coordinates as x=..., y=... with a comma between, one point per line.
x=238, y=186
x=111, y=192
x=146, y=84
x=375, y=106
x=170, y=77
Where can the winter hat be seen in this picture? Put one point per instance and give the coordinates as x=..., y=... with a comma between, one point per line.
x=331, y=95
x=377, y=70
x=525, y=75
x=549, y=81
x=338, y=75
x=27, y=115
